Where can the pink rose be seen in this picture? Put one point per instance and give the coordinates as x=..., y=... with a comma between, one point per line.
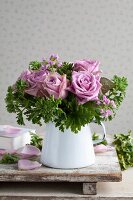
x=85, y=86
x=34, y=81
x=55, y=85
x=87, y=65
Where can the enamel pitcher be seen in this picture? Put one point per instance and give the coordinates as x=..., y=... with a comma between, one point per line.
x=67, y=150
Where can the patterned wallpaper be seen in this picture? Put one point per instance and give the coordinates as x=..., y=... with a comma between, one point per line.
x=103, y=30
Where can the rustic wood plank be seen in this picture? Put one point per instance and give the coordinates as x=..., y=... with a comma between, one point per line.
x=89, y=188
x=105, y=169
x=63, y=198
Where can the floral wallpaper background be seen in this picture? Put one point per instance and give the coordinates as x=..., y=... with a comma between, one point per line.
x=75, y=29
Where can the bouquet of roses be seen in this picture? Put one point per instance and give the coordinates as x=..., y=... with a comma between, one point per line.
x=69, y=94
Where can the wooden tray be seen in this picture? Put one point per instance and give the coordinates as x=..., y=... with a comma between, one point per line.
x=106, y=169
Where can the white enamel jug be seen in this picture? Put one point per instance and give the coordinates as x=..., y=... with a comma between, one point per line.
x=66, y=150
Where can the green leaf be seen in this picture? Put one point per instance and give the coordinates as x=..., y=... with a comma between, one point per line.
x=76, y=115
x=21, y=85
x=96, y=137
x=119, y=91
x=124, y=148
x=9, y=159
x=66, y=68
x=36, y=140
x=34, y=65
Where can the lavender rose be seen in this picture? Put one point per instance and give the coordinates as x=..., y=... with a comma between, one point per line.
x=55, y=85
x=87, y=65
x=34, y=81
x=85, y=86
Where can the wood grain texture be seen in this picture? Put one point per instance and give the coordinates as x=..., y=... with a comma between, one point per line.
x=89, y=188
x=105, y=169
x=64, y=198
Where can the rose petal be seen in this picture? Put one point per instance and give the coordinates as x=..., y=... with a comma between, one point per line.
x=101, y=148
x=52, y=92
x=7, y=129
x=55, y=85
x=32, y=91
x=91, y=66
x=28, y=164
x=28, y=151
x=62, y=90
x=3, y=151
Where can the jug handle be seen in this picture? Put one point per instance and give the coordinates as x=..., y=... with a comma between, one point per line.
x=103, y=133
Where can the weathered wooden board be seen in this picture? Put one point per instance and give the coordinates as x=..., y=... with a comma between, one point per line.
x=67, y=191
x=106, y=169
x=90, y=188
x=63, y=198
